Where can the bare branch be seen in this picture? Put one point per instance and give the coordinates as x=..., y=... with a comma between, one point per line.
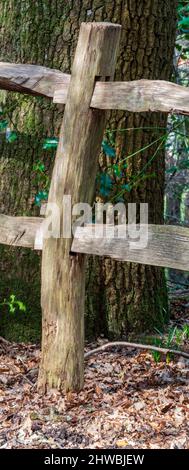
x=126, y=344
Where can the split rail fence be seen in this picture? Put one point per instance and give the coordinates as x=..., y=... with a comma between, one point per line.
x=87, y=93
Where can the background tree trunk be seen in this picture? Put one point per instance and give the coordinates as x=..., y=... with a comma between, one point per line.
x=120, y=297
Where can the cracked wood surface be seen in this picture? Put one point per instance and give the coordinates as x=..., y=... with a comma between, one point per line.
x=19, y=231
x=74, y=173
x=133, y=96
x=136, y=96
x=168, y=245
x=32, y=79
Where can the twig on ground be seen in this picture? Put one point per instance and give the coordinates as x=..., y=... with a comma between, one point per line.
x=24, y=378
x=4, y=341
x=126, y=344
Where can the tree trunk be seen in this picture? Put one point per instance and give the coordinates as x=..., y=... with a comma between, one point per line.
x=129, y=297
x=120, y=297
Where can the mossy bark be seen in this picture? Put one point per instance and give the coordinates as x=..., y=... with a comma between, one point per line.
x=120, y=297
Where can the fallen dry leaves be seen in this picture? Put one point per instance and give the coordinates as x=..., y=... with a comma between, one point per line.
x=128, y=402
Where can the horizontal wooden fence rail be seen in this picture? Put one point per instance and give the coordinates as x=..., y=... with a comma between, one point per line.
x=19, y=231
x=32, y=79
x=168, y=245
x=137, y=96
x=141, y=95
x=134, y=96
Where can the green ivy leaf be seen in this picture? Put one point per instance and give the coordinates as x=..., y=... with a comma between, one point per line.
x=104, y=192
x=40, y=196
x=127, y=187
x=110, y=151
x=43, y=195
x=105, y=184
x=117, y=170
x=50, y=143
x=3, y=125
x=184, y=23
x=172, y=169
x=184, y=165
x=39, y=166
x=12, y=137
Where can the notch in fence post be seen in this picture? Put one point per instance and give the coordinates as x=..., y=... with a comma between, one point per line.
x=63, y=275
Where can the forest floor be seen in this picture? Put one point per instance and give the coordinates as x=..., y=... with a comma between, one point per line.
x=129, y=401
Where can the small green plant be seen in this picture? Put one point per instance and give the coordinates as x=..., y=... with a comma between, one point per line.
x=186, y=332
x=156, y=354
x=174, y=338
x=13, y=304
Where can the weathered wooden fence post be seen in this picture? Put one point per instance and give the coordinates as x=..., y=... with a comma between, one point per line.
x=63, y=273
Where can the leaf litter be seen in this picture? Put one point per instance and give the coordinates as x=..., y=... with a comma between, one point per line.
x=128, y=401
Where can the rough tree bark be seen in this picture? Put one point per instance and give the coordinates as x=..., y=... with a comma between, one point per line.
x=120, y=297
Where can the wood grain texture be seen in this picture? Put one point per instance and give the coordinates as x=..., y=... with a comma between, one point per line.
x=19, y=231
x=136, y=96
x=168, y=245
x=63, y=274
x=32, y=79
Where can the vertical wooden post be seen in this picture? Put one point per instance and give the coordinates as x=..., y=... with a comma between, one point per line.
x=63, y=274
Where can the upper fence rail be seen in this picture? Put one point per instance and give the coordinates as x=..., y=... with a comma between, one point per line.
x=134, y=96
